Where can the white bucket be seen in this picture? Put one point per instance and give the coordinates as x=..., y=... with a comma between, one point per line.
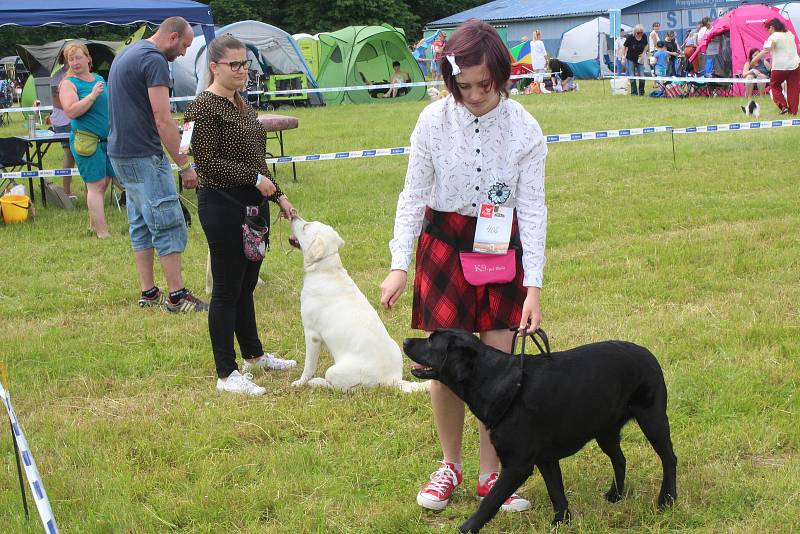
x=619, y=86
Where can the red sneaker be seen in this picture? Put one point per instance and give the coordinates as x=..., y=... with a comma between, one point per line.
x=515, y=503
x=436, y=494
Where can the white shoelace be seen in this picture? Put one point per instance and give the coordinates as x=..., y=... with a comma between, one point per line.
x=245, y=380
x=442, y=478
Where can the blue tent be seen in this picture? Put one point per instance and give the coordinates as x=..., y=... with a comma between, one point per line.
x=59, y=12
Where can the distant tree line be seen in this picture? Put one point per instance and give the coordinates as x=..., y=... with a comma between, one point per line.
x=309, y=16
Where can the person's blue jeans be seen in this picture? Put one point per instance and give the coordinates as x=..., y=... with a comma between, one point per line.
x=709, y=71
x=674, y=67
x=155, y=218
x=619, y=66
x=634, y=68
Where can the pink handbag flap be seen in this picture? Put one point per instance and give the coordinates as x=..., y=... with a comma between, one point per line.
x=481, y=269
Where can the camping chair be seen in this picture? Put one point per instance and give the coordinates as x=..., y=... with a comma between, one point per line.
x=670, y=89
x=12, y=155
x=720, y=89
x=703, y=88
x=372, y=92
x=6, y=101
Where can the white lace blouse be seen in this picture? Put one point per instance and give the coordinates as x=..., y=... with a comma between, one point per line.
x=459, y=161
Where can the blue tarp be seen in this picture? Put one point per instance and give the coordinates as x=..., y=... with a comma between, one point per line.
x=585, y=70
x=42, y=12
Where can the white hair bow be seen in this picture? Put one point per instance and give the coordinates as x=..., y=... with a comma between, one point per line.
x=453, y=64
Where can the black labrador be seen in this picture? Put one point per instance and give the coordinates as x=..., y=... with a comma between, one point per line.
x=541, y=409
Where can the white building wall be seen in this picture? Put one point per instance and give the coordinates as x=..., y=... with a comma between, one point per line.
x=552, y=30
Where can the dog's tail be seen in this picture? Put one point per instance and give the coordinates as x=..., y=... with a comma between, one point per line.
x=411, y=387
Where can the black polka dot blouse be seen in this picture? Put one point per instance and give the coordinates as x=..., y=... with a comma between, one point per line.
x=229, y=145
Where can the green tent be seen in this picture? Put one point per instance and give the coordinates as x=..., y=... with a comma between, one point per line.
x=349, y=56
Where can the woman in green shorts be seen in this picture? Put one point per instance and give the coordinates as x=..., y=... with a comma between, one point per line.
x=84, y=100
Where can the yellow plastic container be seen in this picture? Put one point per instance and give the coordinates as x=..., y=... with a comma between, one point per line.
x=15, y=208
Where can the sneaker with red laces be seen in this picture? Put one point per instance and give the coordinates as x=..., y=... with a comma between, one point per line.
x=436, y=494
x=515, y=503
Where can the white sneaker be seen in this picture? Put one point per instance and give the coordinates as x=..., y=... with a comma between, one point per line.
x=268, y=361
x=240, y=383
x=515, y=503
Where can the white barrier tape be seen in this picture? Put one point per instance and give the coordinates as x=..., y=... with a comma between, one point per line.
x=358, y=87
x=49, y=173
x=325, y=89
x=25, y=110
x=398, y=151
x=32, y=473
x=311, y=90
x=606, y=134
x=736, y=126
x=698, y=80
x=46, y=173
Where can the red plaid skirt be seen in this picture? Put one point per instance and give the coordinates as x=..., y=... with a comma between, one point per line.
x=442, y=296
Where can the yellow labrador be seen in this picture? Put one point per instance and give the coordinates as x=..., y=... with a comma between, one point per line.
x=336, y=313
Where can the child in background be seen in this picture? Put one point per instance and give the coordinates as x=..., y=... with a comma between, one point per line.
x=662, y=59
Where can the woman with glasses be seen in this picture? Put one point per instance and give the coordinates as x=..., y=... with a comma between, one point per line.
x=229, y=145
x=635, y=50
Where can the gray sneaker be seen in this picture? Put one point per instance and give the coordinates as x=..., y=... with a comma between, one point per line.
x=188, y=303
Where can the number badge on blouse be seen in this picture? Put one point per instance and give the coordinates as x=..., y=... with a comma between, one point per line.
x=493, y=231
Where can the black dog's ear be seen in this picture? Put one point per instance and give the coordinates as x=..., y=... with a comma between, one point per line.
x=462, y=357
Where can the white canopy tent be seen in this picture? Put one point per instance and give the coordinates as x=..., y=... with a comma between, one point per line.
x=588, y=48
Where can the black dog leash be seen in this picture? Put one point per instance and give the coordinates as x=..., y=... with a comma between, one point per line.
x=525, y=334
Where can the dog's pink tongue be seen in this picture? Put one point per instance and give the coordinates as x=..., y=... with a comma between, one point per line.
x=415, y=365
x=294, y=242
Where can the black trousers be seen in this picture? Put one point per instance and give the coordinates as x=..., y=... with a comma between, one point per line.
x=231, y=310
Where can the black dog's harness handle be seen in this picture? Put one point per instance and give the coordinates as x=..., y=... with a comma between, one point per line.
x=524, y=335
